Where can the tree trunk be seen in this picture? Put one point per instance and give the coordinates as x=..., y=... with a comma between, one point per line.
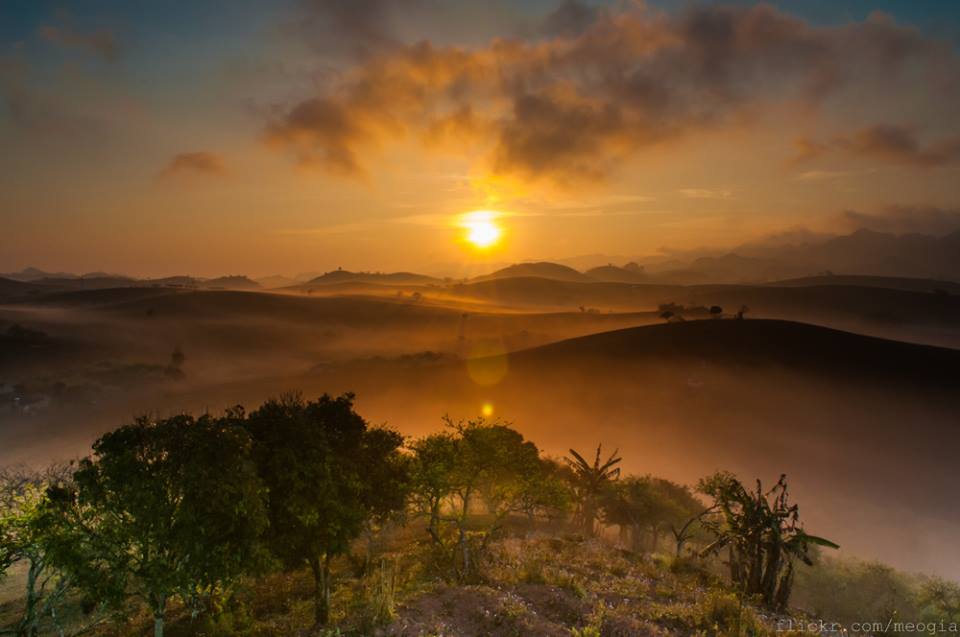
x=783, y=591
x=27, y=626
x=434, y=528
x=321, y=589
x=735, y=568
x=462, y=539
x=159, y=612
x=771, y=574
x=589, y=515
x=464, y=554
x=624, y=536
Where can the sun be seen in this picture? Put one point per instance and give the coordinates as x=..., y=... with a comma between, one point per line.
x=482, y=231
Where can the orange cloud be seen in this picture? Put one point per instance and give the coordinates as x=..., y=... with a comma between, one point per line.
x=569, y=107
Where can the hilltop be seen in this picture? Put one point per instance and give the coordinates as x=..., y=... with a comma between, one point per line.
x=758, y=343
x=540, y=269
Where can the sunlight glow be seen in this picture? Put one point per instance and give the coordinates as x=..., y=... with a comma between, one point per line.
x=487, y=410
x=482, y=232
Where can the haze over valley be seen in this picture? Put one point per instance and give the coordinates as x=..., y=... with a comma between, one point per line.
x=436, y=318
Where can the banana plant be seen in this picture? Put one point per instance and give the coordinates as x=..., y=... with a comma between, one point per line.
x=591, y=482
x=762, y=533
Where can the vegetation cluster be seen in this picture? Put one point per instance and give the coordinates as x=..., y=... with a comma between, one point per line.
x=300, y=516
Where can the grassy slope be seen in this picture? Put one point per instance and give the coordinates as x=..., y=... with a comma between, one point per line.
x=534, y=586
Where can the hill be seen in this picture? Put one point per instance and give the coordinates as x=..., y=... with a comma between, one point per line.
x=390, y=278
x=542, y=269
x=630, y=273
x=11, y=289
x=232, y=282
x=888, y=282
x=35, y=274
x=868, y=252
x=753, y=343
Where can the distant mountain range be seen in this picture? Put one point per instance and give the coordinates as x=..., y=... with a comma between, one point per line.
x=862, y=253
x=99, y=280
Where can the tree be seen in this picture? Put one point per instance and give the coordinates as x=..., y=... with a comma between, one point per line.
x=648, y=505
x=327, y=473
x=434, y=459
x=591, y=482
x=473, y=463
x=716, y=311
x=164, y=509
x=763, y=535
x=941, y=599
x=25, y=540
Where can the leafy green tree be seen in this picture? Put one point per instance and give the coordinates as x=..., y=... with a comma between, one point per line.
x=164, y=509
x=434, y=460
x=471, y=464
x=763, y=535
x=328, y=473
x=24, y=540
x=940, y=600
x=591, y=483
x=649, y=506
x=549, y=496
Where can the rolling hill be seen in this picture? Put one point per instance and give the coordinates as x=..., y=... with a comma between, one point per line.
x=381, y=278
x=541, y=269
x=760, y=343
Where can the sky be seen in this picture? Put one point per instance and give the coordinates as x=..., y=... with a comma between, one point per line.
x=216, y=137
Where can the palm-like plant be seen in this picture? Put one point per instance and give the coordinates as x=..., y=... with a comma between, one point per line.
x=763, y=534
x=590, y=482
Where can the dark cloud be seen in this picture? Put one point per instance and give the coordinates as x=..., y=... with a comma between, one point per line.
x=899, y=144
x=323, y=133
x=548, y=135
x=571, y=18
x=905, y=220
x=566, y=108
x=358, y=27
x=885, y=142
x=102, y=42
x=202, y=163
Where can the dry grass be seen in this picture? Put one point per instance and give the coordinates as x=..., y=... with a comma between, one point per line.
x=533, y=586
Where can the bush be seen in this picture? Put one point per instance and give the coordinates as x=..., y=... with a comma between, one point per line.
x=722, y=614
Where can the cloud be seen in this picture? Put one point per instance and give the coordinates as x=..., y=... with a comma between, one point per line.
x=571, y=18
x=905, y=220
x=899, y=144
x=102, y=42
x=600, y=87
x=356, y=27
x=704, y=193
x=200, y=163
x=828, y=175
x=890, y=143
